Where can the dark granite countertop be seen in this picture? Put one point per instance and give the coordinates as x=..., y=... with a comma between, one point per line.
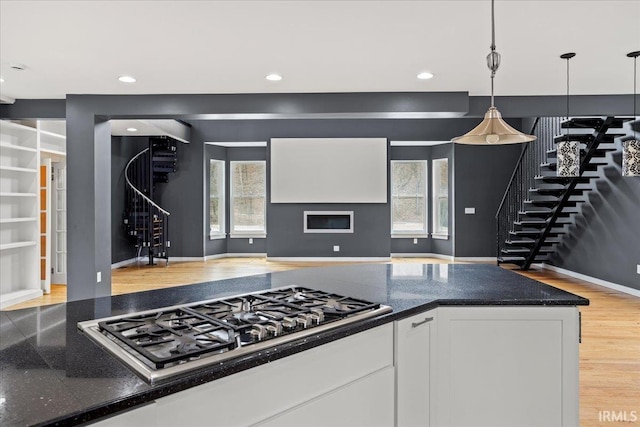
x=51, y=374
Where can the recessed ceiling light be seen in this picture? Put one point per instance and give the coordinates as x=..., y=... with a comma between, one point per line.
x=425, y=76
x=132, y=130
x=274, y=77
x=127, y=79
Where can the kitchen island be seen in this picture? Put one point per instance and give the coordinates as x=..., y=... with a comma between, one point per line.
x=459, y=337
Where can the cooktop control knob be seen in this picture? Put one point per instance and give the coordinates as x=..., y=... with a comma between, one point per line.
x=259, y=332
x=304, y=320
x=317, y=316
x=289, y=323
x=274, y=328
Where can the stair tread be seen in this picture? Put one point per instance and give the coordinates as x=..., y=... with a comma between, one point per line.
x=527, y=251
x=530, y=242
x=593, y=123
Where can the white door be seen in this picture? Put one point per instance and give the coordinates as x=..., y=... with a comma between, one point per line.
x=59, y=223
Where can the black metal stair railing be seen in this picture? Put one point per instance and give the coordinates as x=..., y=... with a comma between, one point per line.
x=145, y=221
x=528, y=168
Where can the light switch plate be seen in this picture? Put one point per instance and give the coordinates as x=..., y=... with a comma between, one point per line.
x=250, y=240
x=99, y=277
x=469, y=211
x=638, y=269
x=336, y=248
x=415, y=241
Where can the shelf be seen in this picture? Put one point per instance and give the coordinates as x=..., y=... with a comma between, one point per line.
x=18, y=195
x=53, y=152
x=12, y=220
x=17, y=126
x=16, y=297
x=15, y=169
x=15, y=245
x=53, y=134
x=16, y=147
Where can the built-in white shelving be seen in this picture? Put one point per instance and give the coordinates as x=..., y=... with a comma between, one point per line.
x=22, y=145
x=15, y=245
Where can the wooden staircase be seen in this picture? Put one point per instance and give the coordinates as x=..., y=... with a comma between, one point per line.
x=144, y=221
x=537, y=204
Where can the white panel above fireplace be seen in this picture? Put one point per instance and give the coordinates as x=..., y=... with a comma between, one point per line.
x=328, y=170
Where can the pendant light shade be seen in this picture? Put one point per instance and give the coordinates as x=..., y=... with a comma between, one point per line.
x=631, y=148
x=493, y=130
x=568, y=158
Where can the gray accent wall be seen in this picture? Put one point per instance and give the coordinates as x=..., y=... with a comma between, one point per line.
x=481, y=177
x=604, y=241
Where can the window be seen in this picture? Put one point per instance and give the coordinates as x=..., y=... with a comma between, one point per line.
x=248, y=198
x=440, y=198
x=409, y=197
x=216, y=198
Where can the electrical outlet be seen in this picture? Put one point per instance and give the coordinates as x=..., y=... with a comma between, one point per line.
x=415, y=241
x=251, y=240
x=99, y=277
x=336, y=248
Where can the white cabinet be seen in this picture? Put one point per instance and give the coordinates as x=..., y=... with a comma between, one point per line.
x=21, y=145
x=414, y=337
x=506, y=366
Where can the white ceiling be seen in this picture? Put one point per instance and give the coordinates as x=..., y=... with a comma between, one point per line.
x=81, y=47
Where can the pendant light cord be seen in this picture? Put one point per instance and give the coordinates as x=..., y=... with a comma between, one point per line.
x=635, y=78
x=568, y=88
x=493, y=66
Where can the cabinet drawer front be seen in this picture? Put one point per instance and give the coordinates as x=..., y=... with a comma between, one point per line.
x=264, y=391
x=367, y=402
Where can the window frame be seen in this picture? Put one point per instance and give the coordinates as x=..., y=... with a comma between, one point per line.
x=412, y=233
x=221, y=200
x=250, y=233
x=436, y=232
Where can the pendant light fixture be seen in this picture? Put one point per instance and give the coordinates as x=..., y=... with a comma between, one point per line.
x=631, y=148
x=568, y=151
x=493, y=130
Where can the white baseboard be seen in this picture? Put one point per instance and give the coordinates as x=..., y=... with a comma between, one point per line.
x=246, y=255
x=145, y=259
x=124, y=263
x=476, y=259
x=236, y=255
x=422, y=255
x=328, y=259
x=594, y=280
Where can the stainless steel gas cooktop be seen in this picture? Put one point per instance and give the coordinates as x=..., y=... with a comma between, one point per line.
x=162, y=343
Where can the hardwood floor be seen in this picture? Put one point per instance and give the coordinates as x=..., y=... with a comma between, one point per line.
x=609, y=353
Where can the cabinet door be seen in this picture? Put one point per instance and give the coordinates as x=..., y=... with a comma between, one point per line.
x=506, y=367
x=367, y=402
x=413, y=364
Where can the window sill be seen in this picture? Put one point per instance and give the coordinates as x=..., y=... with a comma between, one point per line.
x=440, y=236
x=248, y=236
x=410, y=236
x=217, y=236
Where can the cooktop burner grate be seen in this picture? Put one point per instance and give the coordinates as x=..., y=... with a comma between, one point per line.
x=158, y=343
